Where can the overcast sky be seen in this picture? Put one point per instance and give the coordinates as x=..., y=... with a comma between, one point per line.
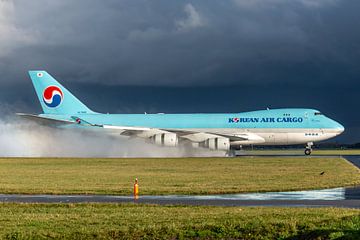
x=187, y=56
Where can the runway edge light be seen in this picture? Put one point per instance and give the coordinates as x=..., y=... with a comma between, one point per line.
x=136, y=189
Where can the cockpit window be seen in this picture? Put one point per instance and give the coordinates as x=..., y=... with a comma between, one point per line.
x=317, y=113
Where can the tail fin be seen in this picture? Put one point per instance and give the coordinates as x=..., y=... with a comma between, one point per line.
x=53, y=97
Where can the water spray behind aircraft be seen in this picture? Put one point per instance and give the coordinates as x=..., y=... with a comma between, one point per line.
x=27, y=139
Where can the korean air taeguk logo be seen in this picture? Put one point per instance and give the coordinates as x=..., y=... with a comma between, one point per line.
x=53, y=96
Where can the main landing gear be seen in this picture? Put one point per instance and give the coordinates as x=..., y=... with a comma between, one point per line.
x=230, y=153
x=308, y=149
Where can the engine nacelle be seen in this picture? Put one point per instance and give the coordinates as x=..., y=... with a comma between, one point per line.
x=165, y=139
x=219, y=143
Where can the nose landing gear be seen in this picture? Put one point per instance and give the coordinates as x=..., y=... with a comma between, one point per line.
x=308, y=149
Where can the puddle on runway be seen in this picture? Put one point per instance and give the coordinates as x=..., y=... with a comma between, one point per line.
x=325, y=194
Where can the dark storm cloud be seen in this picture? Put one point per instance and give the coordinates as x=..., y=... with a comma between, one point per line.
x=183, y=42
x=231, y=55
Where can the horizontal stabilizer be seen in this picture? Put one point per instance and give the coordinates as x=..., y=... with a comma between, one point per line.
x=84, y=122
x=44, y=120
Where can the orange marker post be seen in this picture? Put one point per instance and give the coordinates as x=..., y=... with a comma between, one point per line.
x=136, y=189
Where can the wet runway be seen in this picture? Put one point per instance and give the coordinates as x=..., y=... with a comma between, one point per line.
x=337, y=197
x=355, y=159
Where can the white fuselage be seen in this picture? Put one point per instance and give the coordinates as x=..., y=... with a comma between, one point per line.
x=280, y=136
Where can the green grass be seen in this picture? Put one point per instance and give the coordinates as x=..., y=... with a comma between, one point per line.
x=300, y=152
x=173, y=176
x=129, y=221
x=337, y=152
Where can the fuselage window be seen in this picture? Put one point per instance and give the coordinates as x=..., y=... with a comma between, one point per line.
x=317, y=113
x=311, y=134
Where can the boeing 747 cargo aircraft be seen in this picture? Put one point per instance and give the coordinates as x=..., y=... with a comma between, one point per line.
x=214, y=131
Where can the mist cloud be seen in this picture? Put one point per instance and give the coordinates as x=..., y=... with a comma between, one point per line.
x=27, y=139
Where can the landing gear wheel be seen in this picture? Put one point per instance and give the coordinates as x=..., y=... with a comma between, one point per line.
x=308, y=148
x=231, y=153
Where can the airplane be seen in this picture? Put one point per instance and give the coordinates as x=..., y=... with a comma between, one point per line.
x=224, y=132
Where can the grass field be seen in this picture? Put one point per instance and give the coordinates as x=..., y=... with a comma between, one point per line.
x=300, y=152
x=173, y=176
x=129, y=221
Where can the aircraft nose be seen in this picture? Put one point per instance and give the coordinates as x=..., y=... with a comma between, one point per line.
x=339, y=128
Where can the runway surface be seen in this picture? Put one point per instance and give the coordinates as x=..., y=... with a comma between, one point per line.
x=355, y=159
x=337, y=197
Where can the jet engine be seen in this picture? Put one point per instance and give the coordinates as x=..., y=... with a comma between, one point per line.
x=219, y=143
x=165, y=139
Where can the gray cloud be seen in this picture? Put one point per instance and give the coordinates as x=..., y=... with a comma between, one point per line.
x=270, y=4
x=181, y=43
x=269, y=47
x=193, y=20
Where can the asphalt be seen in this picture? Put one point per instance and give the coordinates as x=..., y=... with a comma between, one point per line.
x=338, y=197
x=354, y=159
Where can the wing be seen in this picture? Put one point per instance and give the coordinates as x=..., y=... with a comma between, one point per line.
x=238, y=138
x=193, y=136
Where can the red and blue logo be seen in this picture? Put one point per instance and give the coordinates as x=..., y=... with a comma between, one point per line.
x=53, y=96
x=234, y=120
